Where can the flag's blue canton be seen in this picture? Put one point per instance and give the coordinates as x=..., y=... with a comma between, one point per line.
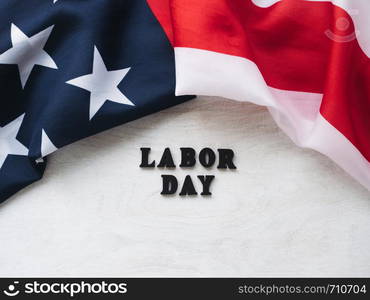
x=48, y=49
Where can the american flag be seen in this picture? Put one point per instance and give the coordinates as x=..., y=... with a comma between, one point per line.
x=307, y=61
x=73, y=68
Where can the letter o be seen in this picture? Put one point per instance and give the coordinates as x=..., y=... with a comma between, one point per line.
x=113, y=288
x=207, y=157
x=45, y=288
x=96, y=288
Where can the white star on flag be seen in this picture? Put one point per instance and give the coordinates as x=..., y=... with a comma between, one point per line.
x=8, y=140
x=102, y=84
x=47, y=145
x=28, y=52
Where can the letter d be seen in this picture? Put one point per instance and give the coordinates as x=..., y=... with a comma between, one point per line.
x=169, y=185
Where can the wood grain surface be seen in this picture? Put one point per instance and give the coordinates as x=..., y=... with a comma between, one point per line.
x=285, y=211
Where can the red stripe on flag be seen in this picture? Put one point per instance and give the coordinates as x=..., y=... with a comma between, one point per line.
x=297, y=45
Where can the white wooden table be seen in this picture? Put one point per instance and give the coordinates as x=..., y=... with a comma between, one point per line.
x=285, y=212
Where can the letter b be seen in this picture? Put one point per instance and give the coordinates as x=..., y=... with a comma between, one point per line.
x=187, y=157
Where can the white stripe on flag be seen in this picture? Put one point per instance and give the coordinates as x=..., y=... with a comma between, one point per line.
x=209, y=73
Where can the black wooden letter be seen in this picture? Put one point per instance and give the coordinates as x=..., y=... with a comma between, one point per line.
x=226, y=159
x=166, y=160
x=187, y=157
x=188, y=187
x=207, y=157
x=169, y=185
x=145, y=159
x=206, y=182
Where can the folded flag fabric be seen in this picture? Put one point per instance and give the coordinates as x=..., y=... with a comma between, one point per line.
x=70, y=69
x=306, y=60
x=73, y=68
